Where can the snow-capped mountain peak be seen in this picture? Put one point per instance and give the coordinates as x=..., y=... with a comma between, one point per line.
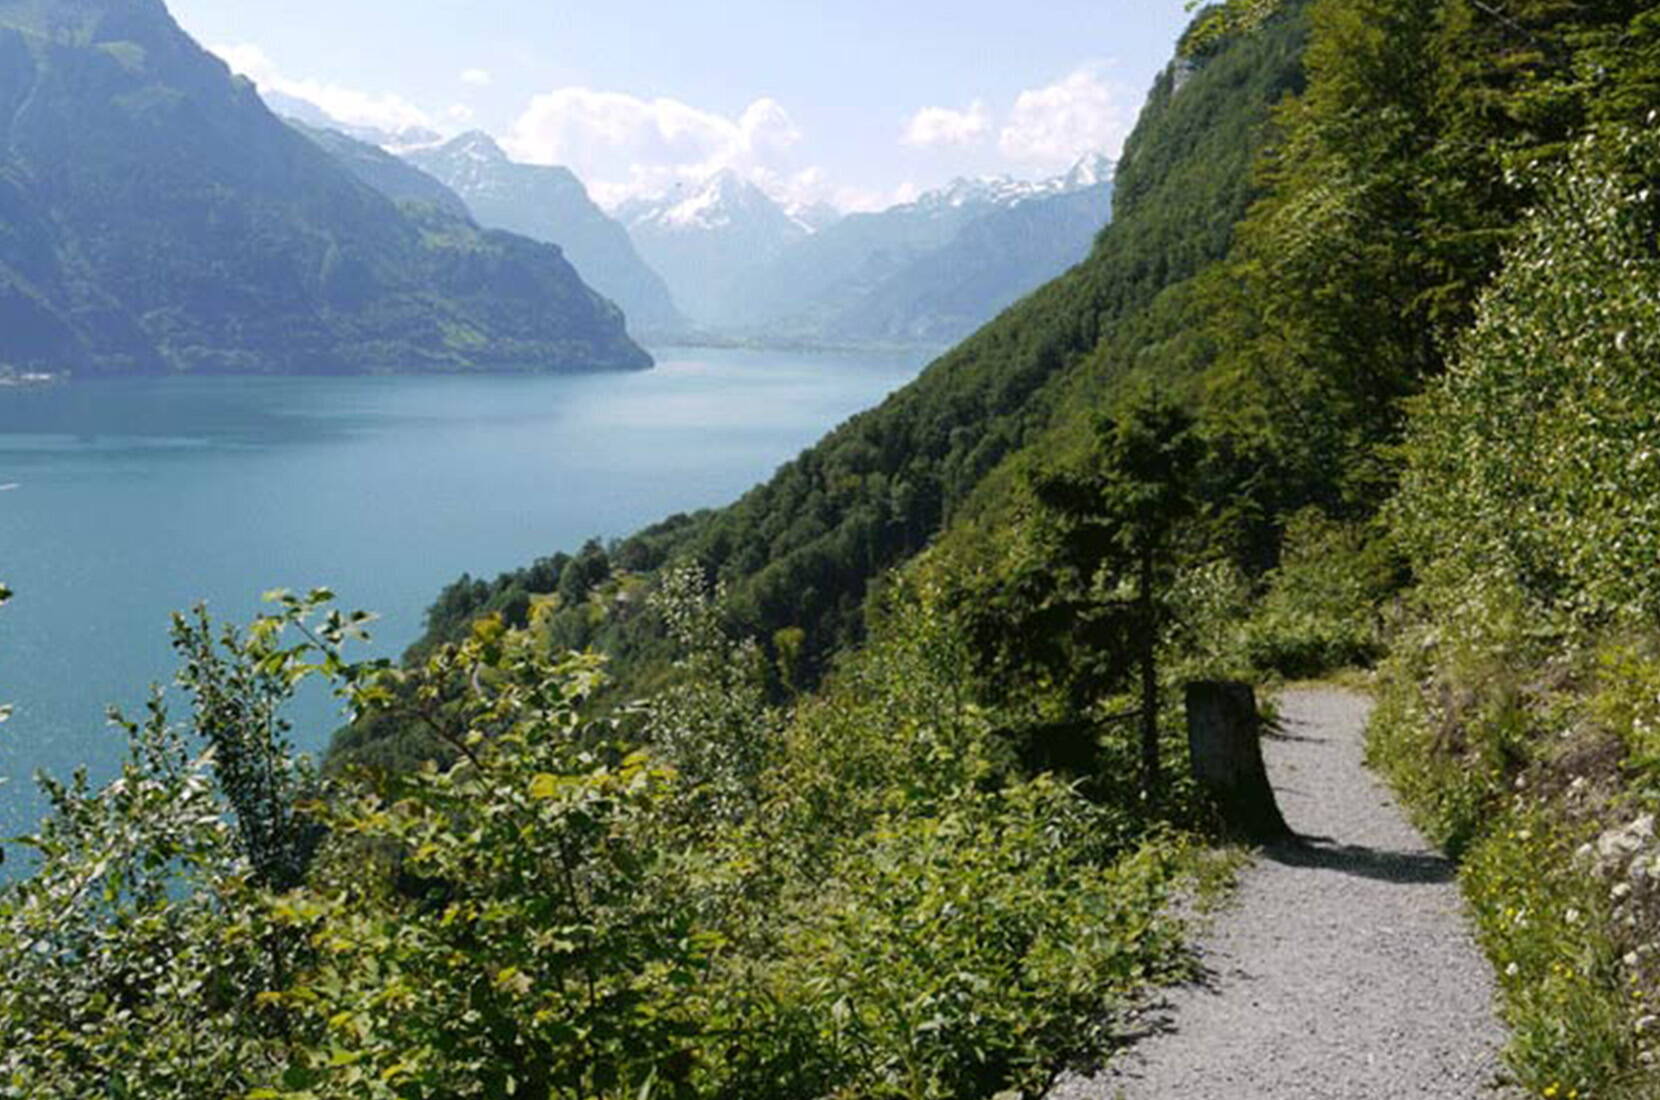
x=815, y=216
x=472, y=164
x=1092, y=170
x=476, y=145
x=723, y=200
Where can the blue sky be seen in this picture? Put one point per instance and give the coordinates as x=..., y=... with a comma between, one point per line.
x=858, y=102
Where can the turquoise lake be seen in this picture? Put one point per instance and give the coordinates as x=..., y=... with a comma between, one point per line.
x=123, y=501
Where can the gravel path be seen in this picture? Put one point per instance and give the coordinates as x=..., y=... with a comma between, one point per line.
x=1344, y=971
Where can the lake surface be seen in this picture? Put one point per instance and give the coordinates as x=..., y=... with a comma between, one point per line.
x=123, y=501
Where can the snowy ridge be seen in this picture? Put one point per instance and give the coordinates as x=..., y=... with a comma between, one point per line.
x=1006, y=191
x=723, y=201
x=727, y=200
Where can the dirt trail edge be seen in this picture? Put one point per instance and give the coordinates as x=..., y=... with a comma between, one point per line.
x=1343, y=971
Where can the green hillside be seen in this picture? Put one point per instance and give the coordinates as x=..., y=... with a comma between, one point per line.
x=154, y=216
x=802, y=550
x=873, y=784
x=1298, y=290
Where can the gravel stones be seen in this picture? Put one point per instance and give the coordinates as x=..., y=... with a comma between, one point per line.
x=1344, y=971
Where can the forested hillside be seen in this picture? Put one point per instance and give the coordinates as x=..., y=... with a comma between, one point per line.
x=885, y=795
x=801, y=551
x=155, y=217
x=1296, y=293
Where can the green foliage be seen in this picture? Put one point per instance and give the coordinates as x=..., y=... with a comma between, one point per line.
x=712, y=724
x=118, y=969
x=1530, y=467
x=1394, y=183
x=1220, y=21
x=1086, y=602
x=238, y=686
x=133, y=956
x=1320, y=607
x=584, y=572
x=528, y=943
x=1544, y=923
x=1516, y=712
x=961, y=928
x=863, y=900
x=971, y=950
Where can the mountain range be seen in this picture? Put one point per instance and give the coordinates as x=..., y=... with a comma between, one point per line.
x=928, y=271
x=723, y=259
x=549, y=203
x=392, y=176
x=706, y=239
x=943, y=295
x=310, y=115
x=156, y=216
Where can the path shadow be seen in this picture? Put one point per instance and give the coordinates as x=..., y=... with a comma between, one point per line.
x=1157, y=1014
x=1290, y=729
x=1325, y=854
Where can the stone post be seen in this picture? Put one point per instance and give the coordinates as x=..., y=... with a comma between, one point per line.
x=1224, y=733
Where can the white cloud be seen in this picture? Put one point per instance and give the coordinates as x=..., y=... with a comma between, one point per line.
x=477, y=78
x=855, y=200
x=351, y=106
x=622, y=145
x=459, y=113
x=944, y=126
x=1051, y=127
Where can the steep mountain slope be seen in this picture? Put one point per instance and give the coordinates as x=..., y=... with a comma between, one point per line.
x=550, y=204
x=309, y=114
x=702, y=242
x=817, y=274
x=802, y=551
x=159, y=217
x=915, y=273
x=392, y=177
x=944, y=295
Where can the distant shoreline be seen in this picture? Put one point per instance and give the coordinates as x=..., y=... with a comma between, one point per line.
x=762, y=343
x=28, y=380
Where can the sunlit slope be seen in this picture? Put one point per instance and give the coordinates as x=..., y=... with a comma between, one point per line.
x=155, y=216
x=803, y=549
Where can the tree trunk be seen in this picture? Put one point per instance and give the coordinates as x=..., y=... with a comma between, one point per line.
x=1224, y=732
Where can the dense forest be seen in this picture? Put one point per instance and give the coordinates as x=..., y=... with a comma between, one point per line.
x=831, y=792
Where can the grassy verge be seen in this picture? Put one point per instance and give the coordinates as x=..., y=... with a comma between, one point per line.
x=1523, y=756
